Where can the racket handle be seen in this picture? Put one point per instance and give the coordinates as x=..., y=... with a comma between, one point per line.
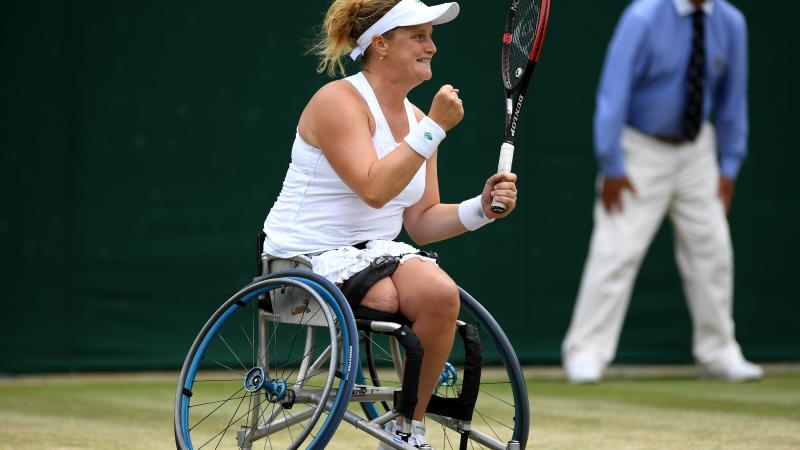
x=503, y=166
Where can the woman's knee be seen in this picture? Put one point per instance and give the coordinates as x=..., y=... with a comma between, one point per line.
x=444, y=298
x=437, y=296
x=425, y=290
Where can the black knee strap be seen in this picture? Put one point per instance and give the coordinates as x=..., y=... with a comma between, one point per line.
x=356, y=287
x=462, y=407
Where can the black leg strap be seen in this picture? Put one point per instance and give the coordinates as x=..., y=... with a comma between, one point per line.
x=462, y=407
x=414, y=353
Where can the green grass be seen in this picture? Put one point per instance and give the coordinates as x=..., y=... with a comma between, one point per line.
x=135, y=412
x=668, y=414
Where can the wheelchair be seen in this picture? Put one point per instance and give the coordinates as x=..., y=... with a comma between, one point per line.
x=285, y=360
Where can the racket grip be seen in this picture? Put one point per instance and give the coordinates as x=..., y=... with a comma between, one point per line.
x=503, y=166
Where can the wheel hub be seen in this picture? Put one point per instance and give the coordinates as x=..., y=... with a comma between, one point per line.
x=274, y=388
x=449, y=376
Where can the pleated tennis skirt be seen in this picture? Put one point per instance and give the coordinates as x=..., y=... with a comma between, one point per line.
x=342, y=263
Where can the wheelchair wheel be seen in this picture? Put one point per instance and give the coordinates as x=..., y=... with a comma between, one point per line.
x=254, y=374
x=501, y=413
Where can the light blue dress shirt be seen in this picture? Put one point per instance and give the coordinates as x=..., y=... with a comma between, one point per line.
x=644, y=78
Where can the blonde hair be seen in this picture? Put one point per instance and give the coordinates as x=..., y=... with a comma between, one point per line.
x=345, y=21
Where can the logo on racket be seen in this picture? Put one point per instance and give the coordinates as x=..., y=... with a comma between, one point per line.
x=428, y=136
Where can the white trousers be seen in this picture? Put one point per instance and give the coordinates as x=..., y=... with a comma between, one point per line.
x=681, y=182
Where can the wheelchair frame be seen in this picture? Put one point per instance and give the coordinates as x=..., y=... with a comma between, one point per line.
x=288, y=294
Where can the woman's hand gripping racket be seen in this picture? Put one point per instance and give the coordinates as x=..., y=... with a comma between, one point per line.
x=526, y=26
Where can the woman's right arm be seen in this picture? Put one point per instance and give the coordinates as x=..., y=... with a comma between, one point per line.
x=337, y=121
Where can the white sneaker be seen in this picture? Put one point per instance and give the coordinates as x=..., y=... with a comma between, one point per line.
x=737, y=371
x=582, y=370
x=417, y=437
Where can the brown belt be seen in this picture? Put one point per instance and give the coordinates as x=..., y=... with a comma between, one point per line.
x=672, y=140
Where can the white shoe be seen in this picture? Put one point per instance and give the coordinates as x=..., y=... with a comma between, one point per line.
x=736, y=371
x=582, y=370
x=416, y=438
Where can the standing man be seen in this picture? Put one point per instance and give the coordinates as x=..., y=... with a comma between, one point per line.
x=671, y=66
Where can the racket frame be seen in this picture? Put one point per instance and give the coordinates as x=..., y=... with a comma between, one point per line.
x=514, y=106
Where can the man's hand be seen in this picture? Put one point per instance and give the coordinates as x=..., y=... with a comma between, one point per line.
x=612, y=192
x=726, y=188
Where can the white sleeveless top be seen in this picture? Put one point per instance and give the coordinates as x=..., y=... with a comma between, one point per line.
x=317, y=211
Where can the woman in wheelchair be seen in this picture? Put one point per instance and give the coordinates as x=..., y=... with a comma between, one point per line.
x=363, y=166
x=364, y=163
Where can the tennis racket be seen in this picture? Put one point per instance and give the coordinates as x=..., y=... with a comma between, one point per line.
x=526, y=26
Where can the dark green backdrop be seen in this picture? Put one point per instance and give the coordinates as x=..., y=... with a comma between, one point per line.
x=144, y=142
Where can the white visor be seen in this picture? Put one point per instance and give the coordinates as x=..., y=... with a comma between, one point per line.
x=405, y=14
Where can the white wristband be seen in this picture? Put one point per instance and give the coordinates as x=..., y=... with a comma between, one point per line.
x=470, y=213
x=425, y=136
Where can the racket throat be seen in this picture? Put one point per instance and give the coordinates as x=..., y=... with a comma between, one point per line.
x=509, y=111
x=512, y=112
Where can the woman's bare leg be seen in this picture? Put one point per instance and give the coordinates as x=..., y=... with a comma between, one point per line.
x=429, y=298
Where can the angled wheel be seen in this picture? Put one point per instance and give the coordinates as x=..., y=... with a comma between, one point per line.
x=254, y=373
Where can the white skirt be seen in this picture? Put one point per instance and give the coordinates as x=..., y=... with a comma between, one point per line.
x=342, y=263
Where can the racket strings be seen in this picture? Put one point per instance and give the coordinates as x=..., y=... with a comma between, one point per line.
x=517, y=52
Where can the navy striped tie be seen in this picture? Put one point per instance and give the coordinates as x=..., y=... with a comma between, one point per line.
x=695, y=78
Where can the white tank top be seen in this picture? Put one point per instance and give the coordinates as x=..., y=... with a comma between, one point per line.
x=317, y=211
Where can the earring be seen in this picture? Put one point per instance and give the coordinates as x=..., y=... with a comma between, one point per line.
x=381, y=57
